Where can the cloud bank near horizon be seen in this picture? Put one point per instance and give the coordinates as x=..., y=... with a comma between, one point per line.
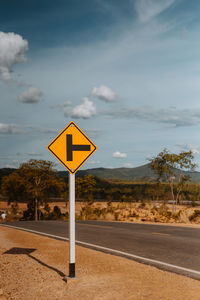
x=118, y=154
x=170, y=116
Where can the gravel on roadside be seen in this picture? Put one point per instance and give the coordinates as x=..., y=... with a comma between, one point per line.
x=32, y=267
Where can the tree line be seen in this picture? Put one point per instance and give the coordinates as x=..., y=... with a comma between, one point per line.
x=36, y=181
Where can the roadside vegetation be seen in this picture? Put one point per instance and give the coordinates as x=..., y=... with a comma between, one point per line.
x=33, y=182
x=35, y=191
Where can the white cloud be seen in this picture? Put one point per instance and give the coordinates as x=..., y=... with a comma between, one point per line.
x=188, y=147
x=195, y=151
x=93, y=162
x=93, y=133
x=66, y=104
x=39, y=129
x=15, y=161
x=32, y=95
x=104, y=93
x=128, y=165
x=8, y=166
x=12, y=51
x=86, y=110
x=10, y=129
x=148, y=9
x=118, y=154
x=34, y=154
x=17, y=129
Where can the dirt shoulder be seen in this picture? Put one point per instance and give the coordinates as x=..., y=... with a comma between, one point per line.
x=32, y=267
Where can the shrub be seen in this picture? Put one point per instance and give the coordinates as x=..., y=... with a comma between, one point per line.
x=177, y=215
x=109, y=203
x=134, y=215
x=142, y=204
x=86, y=211
x=47, y=207
x=57, y=211
x=116, y=215
x=55, y=214
x=195, y=214
x=110, y=208
x=193, y=204
x=14, y=208
x=97, y=212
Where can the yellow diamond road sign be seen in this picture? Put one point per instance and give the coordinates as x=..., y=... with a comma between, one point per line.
x=72, y=147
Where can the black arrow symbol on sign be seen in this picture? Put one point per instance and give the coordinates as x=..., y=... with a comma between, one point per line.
x=71, y=148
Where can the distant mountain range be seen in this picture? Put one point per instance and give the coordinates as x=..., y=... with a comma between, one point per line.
x=142, y=173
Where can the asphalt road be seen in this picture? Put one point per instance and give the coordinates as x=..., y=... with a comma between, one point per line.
x=162, y=246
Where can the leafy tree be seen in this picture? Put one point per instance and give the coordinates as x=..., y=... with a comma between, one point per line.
x=13, y=186
x=33, y=181
x=85, y=187
x=150, y=192
x=79, y=187
x=170, y=167
x=89, y=185
x=47, y=208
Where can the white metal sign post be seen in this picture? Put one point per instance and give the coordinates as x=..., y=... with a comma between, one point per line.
x=72, y=148
x=71, y=225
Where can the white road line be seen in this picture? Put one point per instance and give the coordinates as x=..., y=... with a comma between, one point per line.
x=34, y=231
x=144, y=259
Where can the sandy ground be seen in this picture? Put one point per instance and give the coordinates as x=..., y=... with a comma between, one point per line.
x=32, y=267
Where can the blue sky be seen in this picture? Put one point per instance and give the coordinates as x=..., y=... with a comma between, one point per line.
x=126, y=72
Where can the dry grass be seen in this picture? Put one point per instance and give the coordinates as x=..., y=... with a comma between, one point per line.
x=137, y=212
x=117, y=211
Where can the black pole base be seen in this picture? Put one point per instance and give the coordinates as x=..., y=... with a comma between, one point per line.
x=72, y=270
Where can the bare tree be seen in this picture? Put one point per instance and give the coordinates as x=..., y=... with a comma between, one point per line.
x=170, y=167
